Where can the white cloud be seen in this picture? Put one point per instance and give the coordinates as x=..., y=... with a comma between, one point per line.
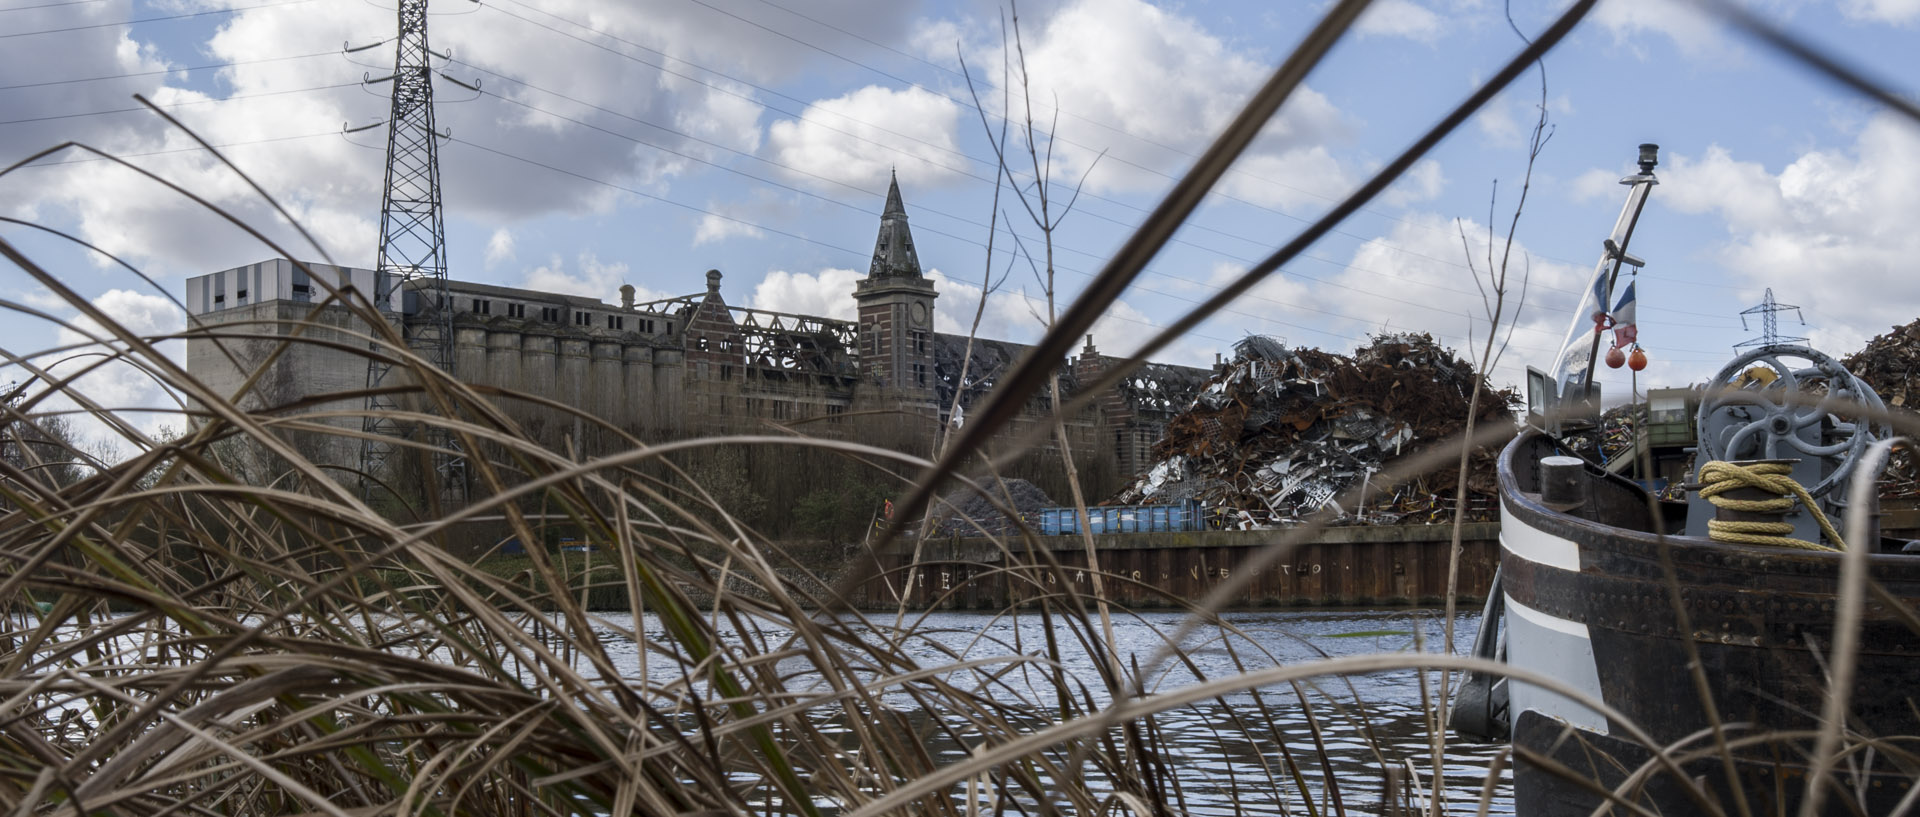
x=499, y=247
x=116, y=385
x=1831, y=231
x=41, y=298
x=1597, y=184
x=594, y=279
x=1415, y=278
x=1744, y=191
x=1400, y=18
x=280, y=118
x=1421, y=182
x=857, y=138
x=1011, y=314
x=1164, y=80
x=1313, y=178
x=1691, y=29
x=1898, y=12
x=715, y=228
x=827, y=293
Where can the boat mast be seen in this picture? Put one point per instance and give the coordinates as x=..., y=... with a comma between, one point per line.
x=1614, y=252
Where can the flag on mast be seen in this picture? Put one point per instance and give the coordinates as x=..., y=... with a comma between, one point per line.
x=1625, y=330
x=1599, y=300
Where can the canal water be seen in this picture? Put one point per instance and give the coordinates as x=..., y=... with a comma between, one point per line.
x=1371, y=728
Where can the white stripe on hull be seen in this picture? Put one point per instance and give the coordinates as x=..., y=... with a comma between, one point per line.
x=1548, y=644
x=1537, y=546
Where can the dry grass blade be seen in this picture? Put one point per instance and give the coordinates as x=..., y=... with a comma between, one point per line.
x=219, y=624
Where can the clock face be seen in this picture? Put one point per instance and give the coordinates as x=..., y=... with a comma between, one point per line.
x=919, y=313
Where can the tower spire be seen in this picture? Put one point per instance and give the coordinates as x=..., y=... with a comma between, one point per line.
x=893, y=252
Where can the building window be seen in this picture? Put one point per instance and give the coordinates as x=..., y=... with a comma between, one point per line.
x=726, y=372
x=919, y=343
x=516, y=310
x=782, y=410
x=834, y=410
x=583, y=319
x=302, y=293
x=920, y=373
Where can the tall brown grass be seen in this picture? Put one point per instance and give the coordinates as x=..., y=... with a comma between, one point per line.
x=220, y=623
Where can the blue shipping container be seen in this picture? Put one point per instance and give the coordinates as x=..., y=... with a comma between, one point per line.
x=1123, y=519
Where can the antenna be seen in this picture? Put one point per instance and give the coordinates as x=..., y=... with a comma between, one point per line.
x=1769, y=324
x=413, y=257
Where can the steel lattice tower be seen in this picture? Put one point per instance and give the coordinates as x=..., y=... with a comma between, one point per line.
x=413, y=253
x=1769, y=323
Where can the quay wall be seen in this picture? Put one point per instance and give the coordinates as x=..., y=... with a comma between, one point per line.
x=1337, y=567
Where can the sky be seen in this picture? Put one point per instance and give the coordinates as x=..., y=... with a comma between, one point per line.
x=646, y=142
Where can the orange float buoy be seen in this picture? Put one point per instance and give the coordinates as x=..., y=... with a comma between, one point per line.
x=1615, y=357
x=1638, y=361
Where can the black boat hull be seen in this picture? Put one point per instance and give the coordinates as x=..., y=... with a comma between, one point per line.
x=1617, y=611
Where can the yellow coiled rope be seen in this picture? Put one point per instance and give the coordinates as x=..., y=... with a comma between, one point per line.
x=1719, y=477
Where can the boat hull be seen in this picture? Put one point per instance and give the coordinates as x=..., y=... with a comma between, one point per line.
x=1613, y=609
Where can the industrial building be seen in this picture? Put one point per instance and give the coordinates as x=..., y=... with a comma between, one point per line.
x=690, y=365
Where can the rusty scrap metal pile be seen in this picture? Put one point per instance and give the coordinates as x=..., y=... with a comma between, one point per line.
x=1889, y=362
x=1279, y=434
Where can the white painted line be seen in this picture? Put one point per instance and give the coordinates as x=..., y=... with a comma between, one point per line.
x=1537, y=546
x=1554, y=623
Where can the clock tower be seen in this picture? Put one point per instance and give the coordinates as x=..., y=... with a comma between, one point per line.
x=896, y=310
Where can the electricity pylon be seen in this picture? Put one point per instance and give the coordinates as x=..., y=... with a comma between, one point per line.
x=1769, y=324
x=411, y=274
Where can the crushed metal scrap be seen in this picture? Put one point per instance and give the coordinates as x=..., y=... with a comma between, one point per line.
x=1889, y=362
x=1278, y=434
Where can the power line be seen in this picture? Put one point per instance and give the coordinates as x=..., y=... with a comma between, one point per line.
x=890, y=148
x=987, y=80
x=51, y=5
x=860, y=254
x=857, y=208
x=177, y=105
x=164, y=70
x=967, y=173
x=122, y=23
x=771, y=183
x=169, y=151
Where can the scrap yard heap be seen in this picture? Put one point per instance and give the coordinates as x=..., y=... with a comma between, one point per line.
x=1280, y=434
x=1889, y=362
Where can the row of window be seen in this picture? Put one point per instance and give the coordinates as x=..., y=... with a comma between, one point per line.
x=550, y=314
x=782, y=409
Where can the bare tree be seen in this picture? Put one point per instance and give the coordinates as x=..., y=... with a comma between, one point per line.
x=1037, y=195
x=1493, y=284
